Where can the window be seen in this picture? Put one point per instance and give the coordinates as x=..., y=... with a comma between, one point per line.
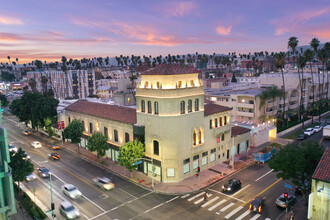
x=225, y=120
x=69, y=119
x=196, y=105
x=182, y=107
x=204, y=158
x=83, y=123
x=216, y=122
x=210, y=123
x=212, y=156
x=220, y=121
x=106, y=132
x=195, y=163
x=149, y=107
x=223, y=137
x=247, y=144
x=194, y=138
x=90, y=128
x=143, y=106
x=156, y=108
x=186, y=165
x=146, y=85
x=192, y=83
x=126, y=137
x=180, y=84
x=158, y=85
x=115, y=134
x=189, y=105
x=156, y=148
x=200, y=136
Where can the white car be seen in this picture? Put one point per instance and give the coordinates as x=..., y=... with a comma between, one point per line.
x=13, y=148
x=71, y=191
x=309, y=131
x=104, y=183
x=31, y=177
x=36, y=144
x=317, y=128
x=68, y=210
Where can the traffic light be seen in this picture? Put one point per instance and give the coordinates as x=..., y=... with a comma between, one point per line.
x=286, y=195
x=53, y=206
x=198, y=170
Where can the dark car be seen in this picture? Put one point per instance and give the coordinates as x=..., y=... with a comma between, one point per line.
x=231, y=185
x=281, y=201
x=257, y=204
x=44, y=172
x=27, y=133
x=54, y=146
x=54, y=156
x=302, y=137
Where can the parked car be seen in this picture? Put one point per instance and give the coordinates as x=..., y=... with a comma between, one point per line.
x=302, y=137
x=31, y=177
x=309, y=131
x=281, y=201
x=36, y=144
x=257, y=204
x=71, y=191
x=27, y=133
x=231, y=185
x=68, y=210
x=54, y=156
x=13, y=149
x=317, y=128
x=44, y=172
x=104, y=183
x=54, y=146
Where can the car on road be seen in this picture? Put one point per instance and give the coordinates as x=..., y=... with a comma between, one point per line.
x=309, y=131
x=68, y=210
x=104, y=183
x=71, y=191
x=317, y=128
x=302, y=137
x=26, y=156
x=36, y=144
x=54, y=146
x=31, y=177
x=231, y=185
x=13, y=149
x=281, y=201
x=27, y=133
x=44, y=172
x=54, y=156
x=257, y=204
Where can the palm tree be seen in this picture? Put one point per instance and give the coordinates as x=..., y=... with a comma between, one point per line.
x=279, y=58
x=301, y=64
x=322, y=56
x=264, y=96
x=9, y=59
x=327, y=51
x=293, y=43
x=309, y=54
x=44, y=81
x=100, y=60
x=315, y=44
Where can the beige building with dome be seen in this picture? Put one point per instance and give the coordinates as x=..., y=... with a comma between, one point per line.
x=179, y=130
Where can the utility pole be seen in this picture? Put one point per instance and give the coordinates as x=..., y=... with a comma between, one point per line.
x=52, y=205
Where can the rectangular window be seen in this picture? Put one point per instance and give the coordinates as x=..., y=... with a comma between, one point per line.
x=115, y=134
x=212, y=156
x=106, y=132
x=196, y=157
x=223, y=137
x=69, y=119
x=220, y=121
x=195, y=164
x=170, y=172
x=83, y=123
x=210, y=123
x=225, y=120
x=90, y=128
x=216, y=122
x=126, y=137
x=186, y=165
x=204, y=159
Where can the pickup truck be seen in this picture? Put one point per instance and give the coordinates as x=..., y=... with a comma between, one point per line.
x=326, y=132
x=103, y=183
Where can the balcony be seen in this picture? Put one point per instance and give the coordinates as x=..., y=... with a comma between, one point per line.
x=246, y=114
x=294, y=98
x=245, y=105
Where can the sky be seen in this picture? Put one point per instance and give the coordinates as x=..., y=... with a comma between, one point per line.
x=50, y=29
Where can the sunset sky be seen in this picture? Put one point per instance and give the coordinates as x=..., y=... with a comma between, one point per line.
x=47, y=30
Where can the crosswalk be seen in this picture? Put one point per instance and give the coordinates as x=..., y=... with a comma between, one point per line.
x=227, y=209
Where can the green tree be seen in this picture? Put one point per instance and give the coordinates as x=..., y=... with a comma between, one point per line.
x=297, y=163
x=7, y=77
x=48, y=125
x=129, y=152
x=33, y=85
x=279, y=60
x=3, y=100
x=20, y=167
x=74, y=131
x=98, y=142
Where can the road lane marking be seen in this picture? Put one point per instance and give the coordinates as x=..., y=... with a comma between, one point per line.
x=233, y=212
x=255, y=217
x=243, y=215
x=264, y=175
x=216, y=205
x=127, y=193
x=227, y=207
x=14, y=138
x=200, y=200
x=209, y=202
x=172, y=199
x=185, y=196
x=194, y=197
x=263, y=191
x=241, y=190
x=227, y=195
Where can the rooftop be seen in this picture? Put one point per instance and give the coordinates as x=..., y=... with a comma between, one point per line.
x=237, y=130
x=227, y=91
x=170, y=69
x=111, y=112
x=322, y=171
x=212, y=108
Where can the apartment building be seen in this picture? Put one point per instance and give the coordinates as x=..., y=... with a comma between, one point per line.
x=77, y=84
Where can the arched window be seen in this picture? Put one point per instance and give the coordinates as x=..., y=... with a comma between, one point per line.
x=189, y=105
x=194, y=138
x=149, y=107
x=182, y=107
x=192, y=83
x=146, y=84
x=115, y=134
x=156, y=108
x=200, y=136
x=196, y=105
x=143, y=106
x=158, y=85
x=90, y=128
x=126, y=137
x=225, y=120
x=220, y=121
x=156, y=148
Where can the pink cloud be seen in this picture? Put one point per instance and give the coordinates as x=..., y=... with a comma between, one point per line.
x=179, y=8
x=9, y=20
x=224, y=30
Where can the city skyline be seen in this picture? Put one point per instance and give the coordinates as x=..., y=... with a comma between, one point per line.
x=46, y=31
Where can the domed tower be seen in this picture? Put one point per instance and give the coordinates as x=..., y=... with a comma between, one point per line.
x=170, y=105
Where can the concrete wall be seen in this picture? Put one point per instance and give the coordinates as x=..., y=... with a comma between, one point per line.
x=319, y=207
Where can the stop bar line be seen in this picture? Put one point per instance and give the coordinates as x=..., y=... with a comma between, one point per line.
x=264, y=175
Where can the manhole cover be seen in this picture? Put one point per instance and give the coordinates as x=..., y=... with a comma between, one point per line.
x=103, y=196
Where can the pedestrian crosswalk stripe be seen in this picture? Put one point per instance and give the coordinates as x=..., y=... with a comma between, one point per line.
x=233, y=212
x=185, y=196
x=255, y=217
x=202, y=199
x=227, y=207
x=194, y=197
x=209, y=202
x=216, y=205
x=243, y=215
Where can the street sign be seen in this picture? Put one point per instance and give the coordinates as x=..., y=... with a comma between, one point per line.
x=137, y=162
x=60, y=125
x=288, y=186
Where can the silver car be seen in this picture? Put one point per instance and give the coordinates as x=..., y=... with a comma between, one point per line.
x=71, y=191
x=281, y=201
x=68, y=210
x=31, y=177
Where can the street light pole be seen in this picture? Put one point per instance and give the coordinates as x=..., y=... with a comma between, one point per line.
x=51, y=195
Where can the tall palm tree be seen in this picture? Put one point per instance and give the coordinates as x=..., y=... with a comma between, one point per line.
x=327, y=51
x=309, y=54
x=293, y=43
x=32, y=84
x=8, y=57
x=279, y=58
x=301, y=64
x=322, y=56
x=44, y=81
x=314, y=44
x=264, y=96
x=100, y=60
